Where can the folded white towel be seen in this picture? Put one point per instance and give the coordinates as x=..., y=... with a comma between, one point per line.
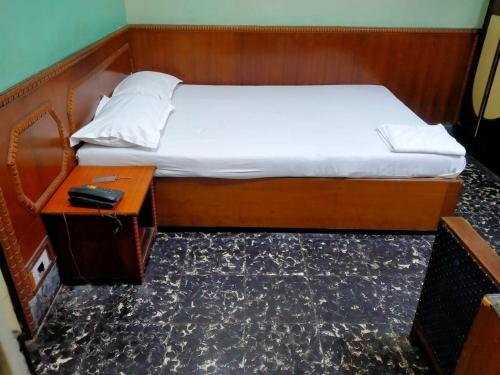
x=431, y=139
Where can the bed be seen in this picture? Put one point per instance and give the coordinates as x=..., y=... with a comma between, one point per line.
x=291, y=157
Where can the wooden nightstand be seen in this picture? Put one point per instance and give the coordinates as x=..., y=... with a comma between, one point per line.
x=99, y=245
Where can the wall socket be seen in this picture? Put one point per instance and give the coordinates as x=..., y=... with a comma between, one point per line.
x=41, y=266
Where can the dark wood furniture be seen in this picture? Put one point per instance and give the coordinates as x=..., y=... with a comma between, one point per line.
x=481, y=352
x=97, y=245
x=462, y=269
x=426, y=68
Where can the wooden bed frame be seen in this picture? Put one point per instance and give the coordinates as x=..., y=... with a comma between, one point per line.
x=425, y=68
x=325, y=203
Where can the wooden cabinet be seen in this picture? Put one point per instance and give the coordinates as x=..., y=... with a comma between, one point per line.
x=100, y=245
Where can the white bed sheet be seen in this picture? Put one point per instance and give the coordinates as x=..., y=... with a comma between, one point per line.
x=241, y=132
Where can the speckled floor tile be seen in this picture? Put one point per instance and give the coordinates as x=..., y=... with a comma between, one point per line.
x=480, y=204
x=211, y=299
x=397, y=255
x=274, y=254
x=167, y=256
x=361, y=349
x=371, y=299
x=205, y=349
x=401, y=296
x=134, y=348
x=60, y=346
x=80, y=303
x=283, y=348
x=155, y=301
x=283, y=299
x=337, y=254
x=216, y=254
x=84, y=296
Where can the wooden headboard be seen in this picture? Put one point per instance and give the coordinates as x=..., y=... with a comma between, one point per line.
x=425, y=68
x=84, y=94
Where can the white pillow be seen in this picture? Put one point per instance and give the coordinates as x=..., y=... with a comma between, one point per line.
x=101, y=104
x=126, y=121
x=148, y=83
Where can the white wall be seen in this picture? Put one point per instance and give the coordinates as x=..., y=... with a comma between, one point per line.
x=11, y=359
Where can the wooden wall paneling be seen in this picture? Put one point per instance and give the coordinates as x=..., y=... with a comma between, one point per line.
x=51, y=85
x=425, y=68
x=38, y=159
x=15, y=262
x=84, y=95
x=34, y=152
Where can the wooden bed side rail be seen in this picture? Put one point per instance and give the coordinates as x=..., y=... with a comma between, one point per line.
x=451, y=198
x=322, y=203
x=477, y=246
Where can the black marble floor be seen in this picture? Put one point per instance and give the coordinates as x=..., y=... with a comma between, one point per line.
x=234, y=303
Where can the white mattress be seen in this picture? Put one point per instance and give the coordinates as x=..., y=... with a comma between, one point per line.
x=242, y=132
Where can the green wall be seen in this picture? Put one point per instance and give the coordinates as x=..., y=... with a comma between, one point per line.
x=35, y=34
x=387, y=13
